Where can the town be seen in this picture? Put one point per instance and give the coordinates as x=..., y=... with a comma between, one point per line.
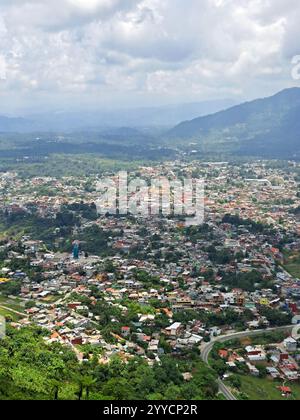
x=129, y=286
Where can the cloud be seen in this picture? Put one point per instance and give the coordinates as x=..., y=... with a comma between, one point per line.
x=2, y=68
x=158, y=49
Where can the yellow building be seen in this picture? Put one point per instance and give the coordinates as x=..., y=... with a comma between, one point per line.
x=264, y=302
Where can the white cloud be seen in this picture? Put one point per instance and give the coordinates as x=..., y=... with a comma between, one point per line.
x=158, y=49
x=2, y=68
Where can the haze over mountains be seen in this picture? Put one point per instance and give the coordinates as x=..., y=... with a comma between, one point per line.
x=268, y=127
x=65, y=121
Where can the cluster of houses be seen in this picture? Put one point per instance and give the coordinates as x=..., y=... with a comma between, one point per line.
x=183, y=276
x=280, y=361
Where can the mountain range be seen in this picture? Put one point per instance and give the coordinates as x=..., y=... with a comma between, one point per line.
x=101, y=120
x=268, y=127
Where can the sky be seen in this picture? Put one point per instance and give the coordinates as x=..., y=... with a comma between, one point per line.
x=90, y=54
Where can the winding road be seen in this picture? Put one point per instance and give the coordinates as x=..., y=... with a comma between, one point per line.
x=207, y=348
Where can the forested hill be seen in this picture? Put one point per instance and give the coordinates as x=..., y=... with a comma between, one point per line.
x=32, y=370
x=268, y=127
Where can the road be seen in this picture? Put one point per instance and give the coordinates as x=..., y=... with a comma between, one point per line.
x=206, y=350
x=296, y=332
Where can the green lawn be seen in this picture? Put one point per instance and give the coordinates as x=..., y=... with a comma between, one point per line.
x=293, y=269
x=10, y=315
x=13, y=304
x=266, y=389
x=292, y=264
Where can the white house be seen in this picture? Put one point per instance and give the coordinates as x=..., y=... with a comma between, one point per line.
x=290, y=344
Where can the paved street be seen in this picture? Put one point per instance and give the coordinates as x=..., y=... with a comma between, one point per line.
x=206, y=350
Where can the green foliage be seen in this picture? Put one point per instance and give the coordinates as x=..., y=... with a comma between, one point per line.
x=32, y=370
x=11, y=288
x=266, y=128
x=244, y=281
x=276, y=317
x=227, y=317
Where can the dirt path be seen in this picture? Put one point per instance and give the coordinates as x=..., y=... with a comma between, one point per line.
x=13, y=311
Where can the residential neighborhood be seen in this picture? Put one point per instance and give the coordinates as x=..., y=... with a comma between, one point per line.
x=130, y=287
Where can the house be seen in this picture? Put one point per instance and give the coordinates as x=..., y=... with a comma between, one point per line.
x=290, y=375
x=283, y=357
x=125, y=331
x=147, y=319
x=77, y=341
x=273, y=372
x=231, y=365
x=223, y=354
x=285, y=390
x=255, y=354
x=174, y=330
x=253, y=325
x=153, y=346
x=74, y=305
x=296, y=320
x=290, y=344
x=215, y=331
x=194, y=339
x=252, y=369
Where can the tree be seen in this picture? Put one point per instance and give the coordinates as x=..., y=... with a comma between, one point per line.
x=118, y=389
x=11, y=288
x=235, y=381
x=144, y=381
x=275, y=317
x=88, y=383
x=172, y=393
x=55, y=386
x=57, y=373
x=220, y=367
x=78, y=379
x=31, y=380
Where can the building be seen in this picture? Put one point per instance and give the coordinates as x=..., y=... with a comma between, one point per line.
x=174, y=330
x=290, y=344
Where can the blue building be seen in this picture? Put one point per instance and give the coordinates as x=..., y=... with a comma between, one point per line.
x=76, y=250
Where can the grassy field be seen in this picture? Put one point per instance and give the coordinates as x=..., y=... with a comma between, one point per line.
x=292, y=264
x=13, y=304
x=266, y=389
x=9, y=315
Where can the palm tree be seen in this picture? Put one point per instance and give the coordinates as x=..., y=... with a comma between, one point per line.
x=55, y=388
x=84, y=382
x=88, y=383
x=79, y=380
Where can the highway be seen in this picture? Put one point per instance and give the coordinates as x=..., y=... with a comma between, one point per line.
x=207, y=348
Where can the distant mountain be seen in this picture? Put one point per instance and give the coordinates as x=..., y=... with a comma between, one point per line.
x=167, y=115
x=14, y=124
x=66, y=121
x=267, y=127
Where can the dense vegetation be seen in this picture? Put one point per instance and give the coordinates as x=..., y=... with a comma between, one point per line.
x=251, y=225
x=78, y=153
x=265, y=127
x=249, y=282
x=32, y=370
x=64, y=165
x=60, y=231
